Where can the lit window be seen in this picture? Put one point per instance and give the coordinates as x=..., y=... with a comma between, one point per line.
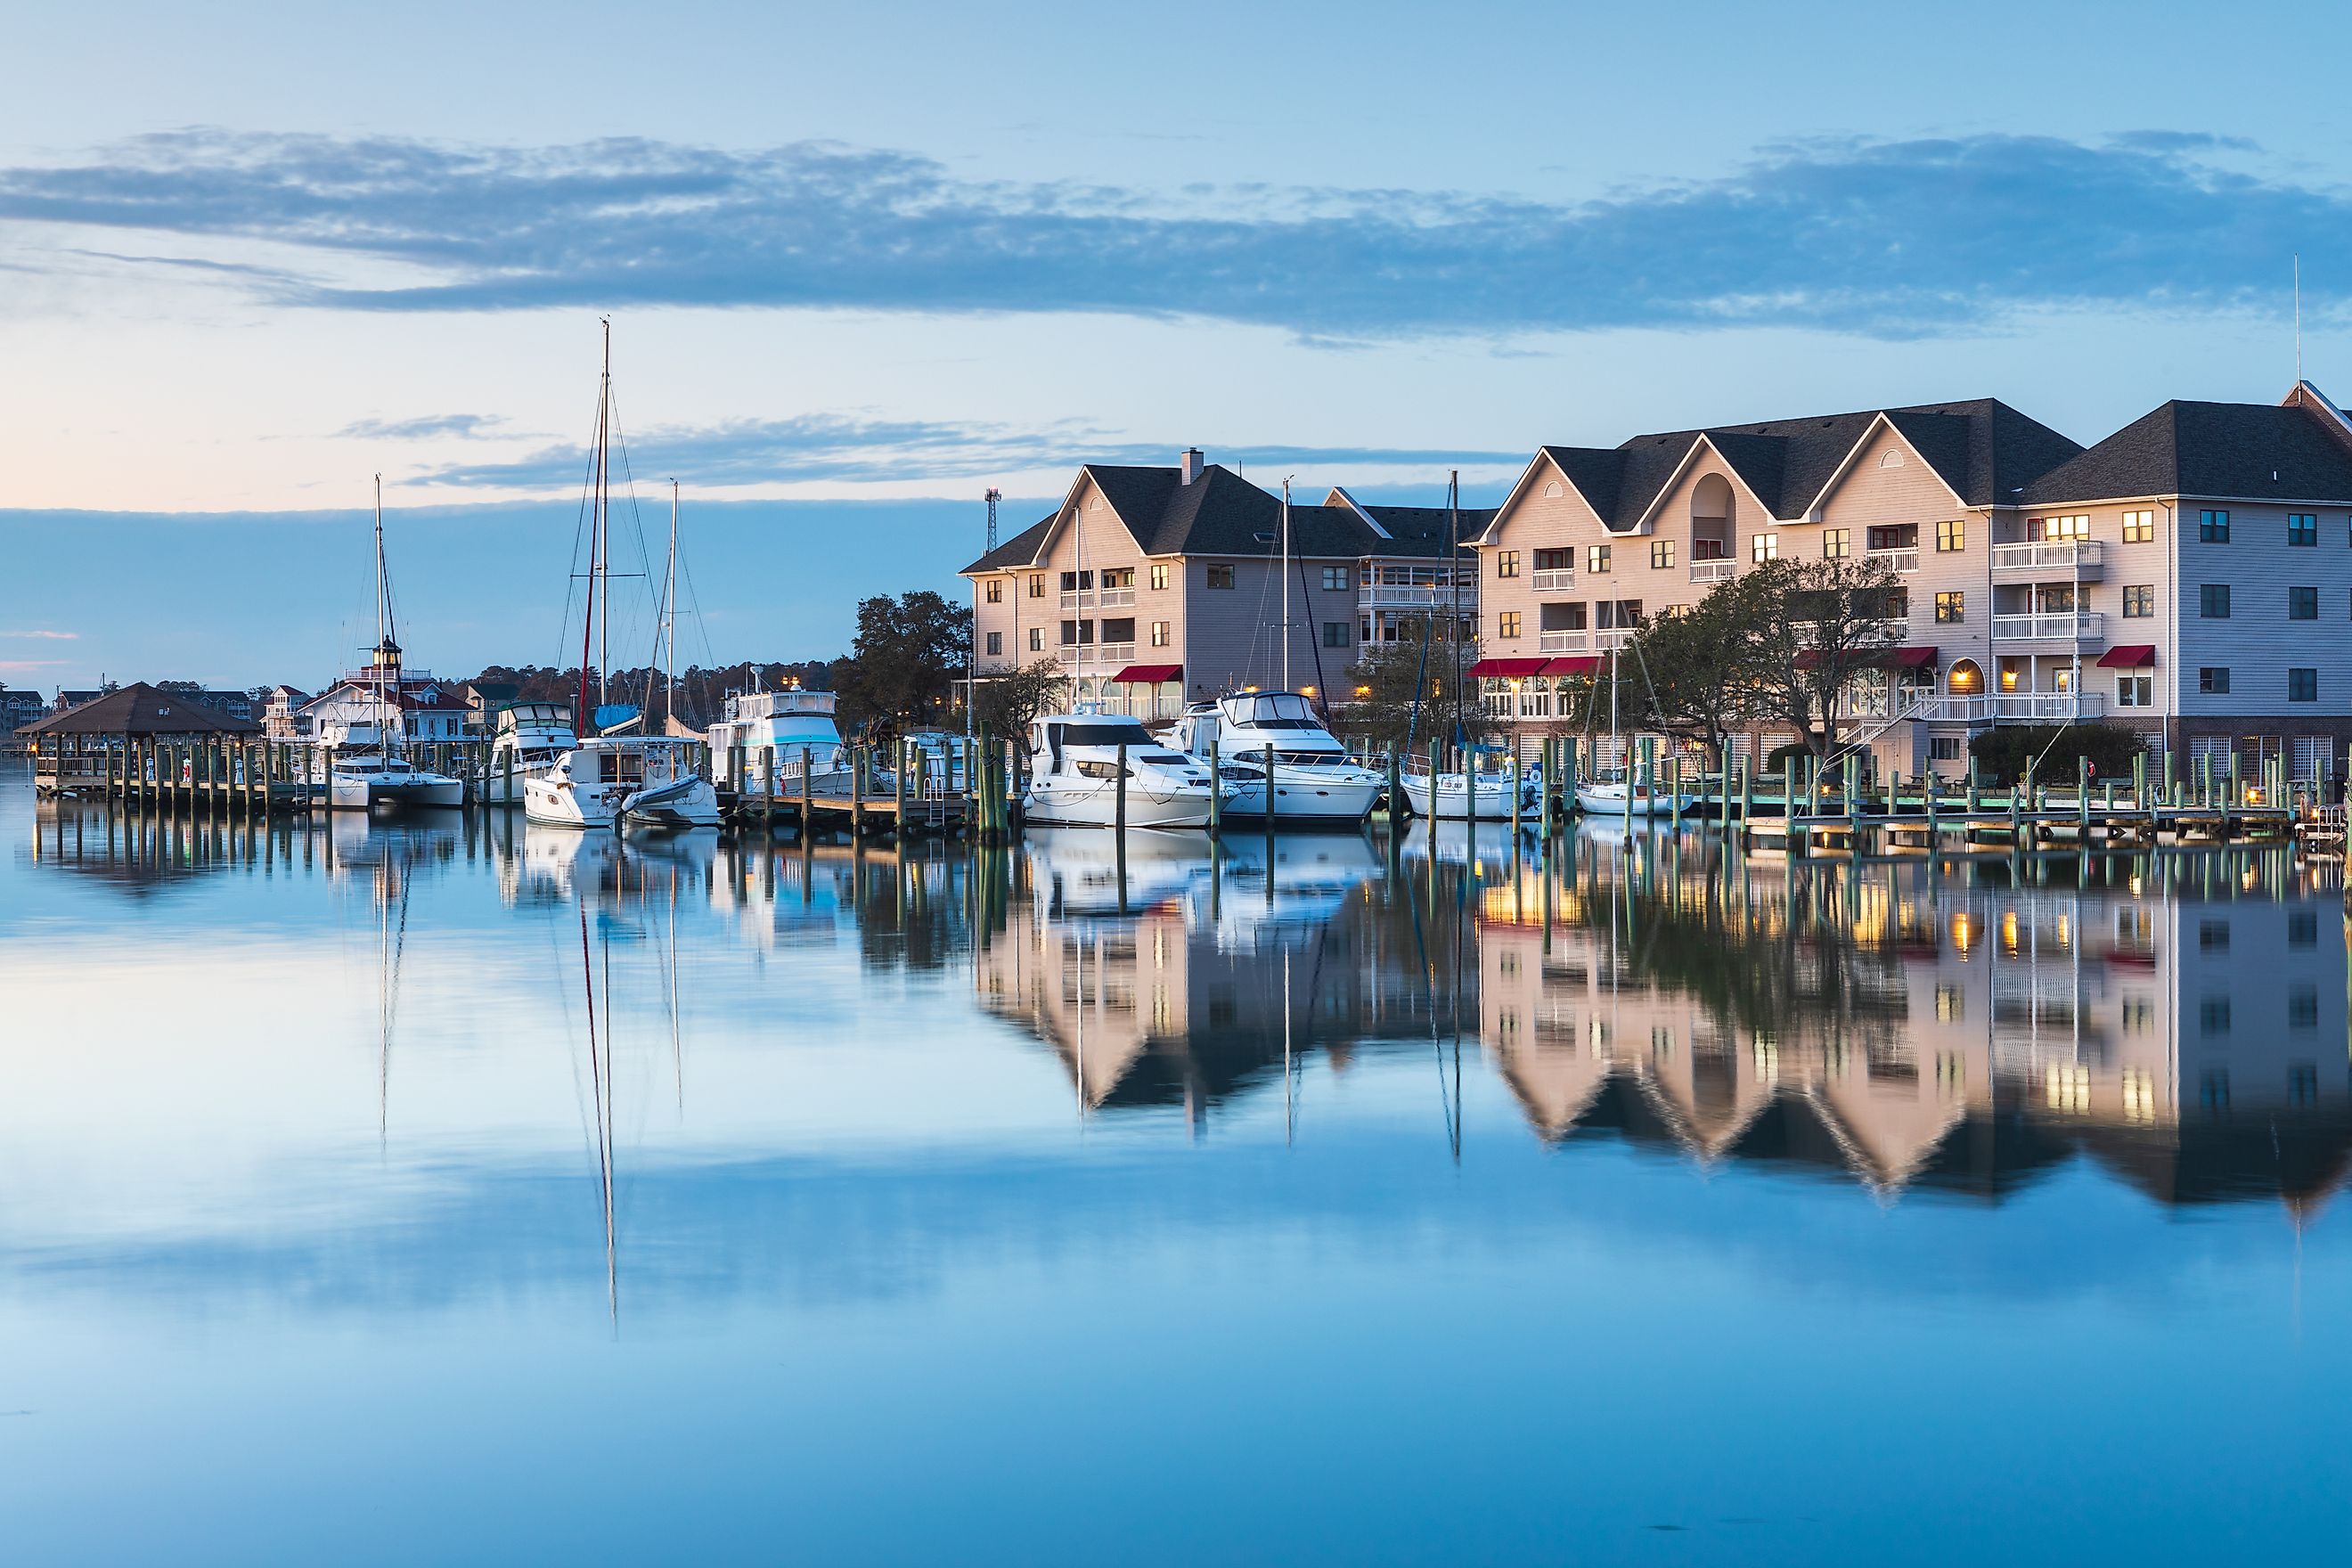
x=1159, y=633
x=1506, y=625
x=1662, y=552
x=1507, y=564
x=1952, y=535
x=2139, y=601
x=1765, y=547
x=2139, y=527
x=1596, y=558
x=1160, y=574
x=1837, y=543
x=2063, y=527
x=1952, y=608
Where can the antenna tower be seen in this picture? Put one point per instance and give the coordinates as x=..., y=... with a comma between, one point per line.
x=994, y=495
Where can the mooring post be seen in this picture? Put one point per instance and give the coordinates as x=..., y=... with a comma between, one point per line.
x=1396, y=791
x=1269, y=818
x=899, y=787
x=1118, y=819
x=1436, y=751
x=2082, y=798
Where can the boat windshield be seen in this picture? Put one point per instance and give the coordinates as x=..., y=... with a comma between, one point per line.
x=1272, y=711
x=1105, y=732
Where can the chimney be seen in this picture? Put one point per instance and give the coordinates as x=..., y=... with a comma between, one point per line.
x=1188, y=467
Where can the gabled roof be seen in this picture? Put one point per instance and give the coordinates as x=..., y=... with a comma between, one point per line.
x=2244, y=451
x=1223, y=514
x=140, y=709
x=1982, y=449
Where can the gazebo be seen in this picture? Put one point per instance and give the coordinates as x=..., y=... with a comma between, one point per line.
x=82, y=750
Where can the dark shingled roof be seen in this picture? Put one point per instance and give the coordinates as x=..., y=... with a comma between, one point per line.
x=1983, y=449
x=1221, y=513
x=2220, y=449
x=140, y=709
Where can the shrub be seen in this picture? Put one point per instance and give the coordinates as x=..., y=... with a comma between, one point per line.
x=2002, y=753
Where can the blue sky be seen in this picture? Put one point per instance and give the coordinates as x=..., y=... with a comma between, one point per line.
x=864, y=262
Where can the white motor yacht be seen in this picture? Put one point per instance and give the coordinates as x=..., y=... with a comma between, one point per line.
x=800, y=727
x=530, y=738
x=1314, y=782
x=384, y=779
x=1073, y=775
x=622, y=781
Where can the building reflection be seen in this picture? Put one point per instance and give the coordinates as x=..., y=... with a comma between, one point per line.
x=2179, y=1018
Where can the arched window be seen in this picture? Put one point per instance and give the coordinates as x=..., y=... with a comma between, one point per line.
x=1711, y=514
x=1963, y=678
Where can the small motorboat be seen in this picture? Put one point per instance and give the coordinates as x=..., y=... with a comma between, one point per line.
x=1073, y=775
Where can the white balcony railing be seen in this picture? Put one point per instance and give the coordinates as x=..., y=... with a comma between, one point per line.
x=2012, y=708
x=1603, y=641
x=1101, y=658
x=2048, y=555
x=1904, y=558
x=1076, y=598
x=2078, y=625
x=1722, y=571
x=1563, y=642
x=1413, y=596
x=1556, y=580
x=1114, y=599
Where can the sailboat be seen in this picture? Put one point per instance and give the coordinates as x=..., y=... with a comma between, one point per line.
x=1605, y=793
x=376, y=772
x=616, y=778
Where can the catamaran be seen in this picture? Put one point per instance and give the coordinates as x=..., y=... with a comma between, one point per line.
x=617, y=779
x=370, y=765
x=1074, y=773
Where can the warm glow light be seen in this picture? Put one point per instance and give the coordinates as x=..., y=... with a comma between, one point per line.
x=1963, y=933
x=1249, y=689
x=2009, y=681
x=1363, y=691
x=1306, y=692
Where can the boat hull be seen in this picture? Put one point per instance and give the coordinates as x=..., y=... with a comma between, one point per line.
x=1453, y=799
x=436, y=793
x=1064, y=802
x=1303, y=802
x=1609, y=800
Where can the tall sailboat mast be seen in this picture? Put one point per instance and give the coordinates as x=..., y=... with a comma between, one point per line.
x=1285, y=581
x=382, y=742
x=582, y=715
x=670, y=617
x=604, y=567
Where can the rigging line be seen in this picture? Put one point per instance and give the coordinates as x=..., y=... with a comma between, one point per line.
x=579, y=527
x=1313, y=638
x=1429, y=993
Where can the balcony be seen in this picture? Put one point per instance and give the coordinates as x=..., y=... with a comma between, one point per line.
x=1099, y=656
x=1903, y=558
x=1563, y=642
x=2082, y=558
x=1556, y=580
x=2077, y=627
x=1076, y=598
x=1414, y=597
x=1722, y=571
x=1115, y=598
x=2012, y=708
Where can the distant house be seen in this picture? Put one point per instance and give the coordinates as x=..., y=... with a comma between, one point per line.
x=422, y=709
x=485, y=698
x=282, y=715
x=236, y=704
x=72, y=697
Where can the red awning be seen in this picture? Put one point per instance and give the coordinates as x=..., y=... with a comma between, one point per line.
x=1807, y=658
x=1508, y=669
x=1147, y=674
x=1583, y=664
x=1915, y=658
x=2130, y=657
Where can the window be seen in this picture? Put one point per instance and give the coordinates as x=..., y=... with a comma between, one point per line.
x=1119, y=577
x=1555, y=560
x=2303, y=604
x=2135, y=689
x=995, y=642
x=1952, y=608
x=1335, y=634
x=1618, y=614
x=2213, y=680
x=1506, y=625
x=1951, y=536
x=1943, y=748
x=1662, y=553
x=1837, y=543
x=1036, y=639
x=1160, y=574
x=2303, y=528
x=1075, y=634
x=1221, y=576
x=1507, y=564
x=2302, y=686
x=1335, y=579
x=2213, y=527
x=1036, y=584
x=996, y=590
x=1596, y=558
x=2064, y=527
x=1764, y=547
x=1159, y=633
x=2139, y=527
x=2139, y=601
x=1074, y=582
x=2214, y=601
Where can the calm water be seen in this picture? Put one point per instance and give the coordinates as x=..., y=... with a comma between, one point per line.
x=400, y=1194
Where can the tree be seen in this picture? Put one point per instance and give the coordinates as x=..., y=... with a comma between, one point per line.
x=1006, y=704
x=906, y=662
x=1405, y=694
x=1827, y=625
x=1701, y=672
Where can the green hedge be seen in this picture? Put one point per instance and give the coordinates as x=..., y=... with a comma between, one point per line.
x=2002, y=753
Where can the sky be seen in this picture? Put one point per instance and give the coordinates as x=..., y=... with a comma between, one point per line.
x=864, y=262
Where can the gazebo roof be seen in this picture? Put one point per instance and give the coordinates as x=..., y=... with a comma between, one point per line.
x=140, y=709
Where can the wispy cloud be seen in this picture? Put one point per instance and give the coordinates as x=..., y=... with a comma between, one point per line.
x=829, y=447
x=25, y=666
x=1884, y=237
x=424, y=426
x=44, y=635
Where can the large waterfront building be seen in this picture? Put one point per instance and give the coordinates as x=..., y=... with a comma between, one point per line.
x=2190, y=575
x=1151, y=586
